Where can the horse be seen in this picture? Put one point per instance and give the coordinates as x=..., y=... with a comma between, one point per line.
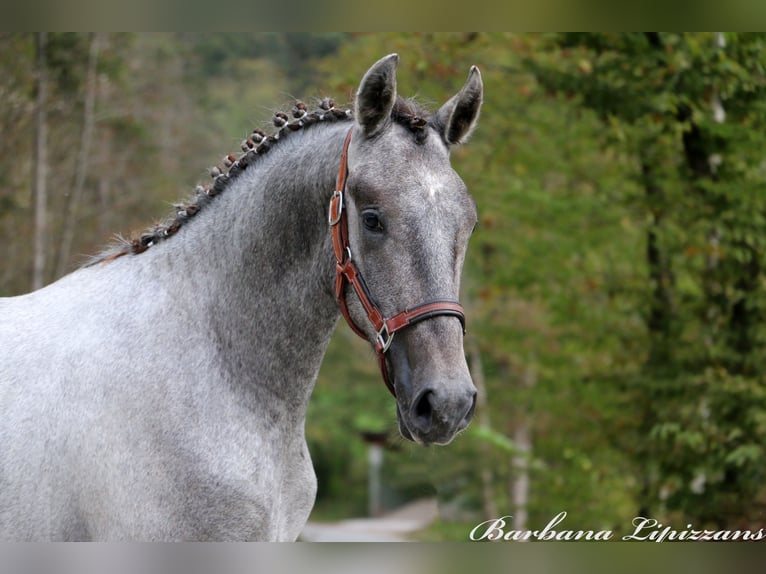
x=159, y=391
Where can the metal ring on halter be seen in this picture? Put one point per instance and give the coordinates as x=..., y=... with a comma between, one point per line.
x=334, y=220
x=384, y=342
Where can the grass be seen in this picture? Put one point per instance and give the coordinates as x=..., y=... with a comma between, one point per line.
x=444, y=531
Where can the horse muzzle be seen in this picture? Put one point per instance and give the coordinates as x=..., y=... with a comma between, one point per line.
x=437, y=413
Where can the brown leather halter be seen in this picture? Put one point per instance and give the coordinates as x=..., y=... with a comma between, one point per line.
x=346, y=272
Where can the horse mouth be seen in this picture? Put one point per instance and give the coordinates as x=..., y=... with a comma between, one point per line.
x=431, y=434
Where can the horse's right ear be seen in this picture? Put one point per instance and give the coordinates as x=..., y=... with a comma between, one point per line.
x=376, y=96
x=458, y=117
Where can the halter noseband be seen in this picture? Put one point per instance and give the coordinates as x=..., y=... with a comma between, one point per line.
x=346, y=272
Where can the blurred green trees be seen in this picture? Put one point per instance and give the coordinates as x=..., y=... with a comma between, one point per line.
x=688, y=108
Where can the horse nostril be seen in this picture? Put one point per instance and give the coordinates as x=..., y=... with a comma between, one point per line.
x=469, y=414
x=436, y=415
x=424, y=409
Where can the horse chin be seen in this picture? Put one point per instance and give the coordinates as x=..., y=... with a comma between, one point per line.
x=403, y=430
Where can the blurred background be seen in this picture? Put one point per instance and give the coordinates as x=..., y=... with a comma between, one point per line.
x=615, y=287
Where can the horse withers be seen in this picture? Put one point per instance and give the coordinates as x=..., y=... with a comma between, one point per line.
x=160, y=391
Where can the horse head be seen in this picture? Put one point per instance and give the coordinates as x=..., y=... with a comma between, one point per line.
x=408, y=218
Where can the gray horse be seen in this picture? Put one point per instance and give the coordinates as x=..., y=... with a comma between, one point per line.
x=160, y=391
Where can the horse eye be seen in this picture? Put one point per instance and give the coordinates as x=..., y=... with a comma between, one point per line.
x=371, y=221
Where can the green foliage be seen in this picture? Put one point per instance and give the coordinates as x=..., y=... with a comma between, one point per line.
x=700, y=399
x=66, y=54
x=218, y=54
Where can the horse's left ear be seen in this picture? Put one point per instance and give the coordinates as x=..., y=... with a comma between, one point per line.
x=376, y=96
x=457, y=118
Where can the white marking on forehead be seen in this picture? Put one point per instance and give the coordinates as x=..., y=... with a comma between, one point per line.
x=433, y=184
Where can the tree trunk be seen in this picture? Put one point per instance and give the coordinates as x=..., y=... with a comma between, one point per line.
x=482, y=413
x=660, y=320
x=522, y=436
x=39, y=187
x=81, y=169
x=104, y=203
x=660, y=274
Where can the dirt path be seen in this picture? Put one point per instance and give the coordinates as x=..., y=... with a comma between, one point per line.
x=392, y=527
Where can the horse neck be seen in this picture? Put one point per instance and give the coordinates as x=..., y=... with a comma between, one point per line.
x=260, y=263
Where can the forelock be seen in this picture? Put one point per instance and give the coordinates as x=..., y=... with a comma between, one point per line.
x=410, y=114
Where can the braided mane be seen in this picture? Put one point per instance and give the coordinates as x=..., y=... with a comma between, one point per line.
x=405, y=112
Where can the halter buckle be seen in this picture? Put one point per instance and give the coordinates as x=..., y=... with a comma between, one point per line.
x=335, y=201
x=384, y=338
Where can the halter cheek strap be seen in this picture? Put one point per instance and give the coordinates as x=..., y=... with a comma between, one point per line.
x=347, y=273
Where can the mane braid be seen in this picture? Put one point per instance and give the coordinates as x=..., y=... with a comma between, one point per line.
x=405, y=112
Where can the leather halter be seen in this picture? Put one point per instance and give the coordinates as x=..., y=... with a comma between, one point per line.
x=346, y=272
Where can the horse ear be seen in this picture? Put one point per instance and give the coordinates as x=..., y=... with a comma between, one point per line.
x=376, y=96
x=457, y=118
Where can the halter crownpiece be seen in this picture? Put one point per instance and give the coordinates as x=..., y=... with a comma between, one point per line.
x=346, y=272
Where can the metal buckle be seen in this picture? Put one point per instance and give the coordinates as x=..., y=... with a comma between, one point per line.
x=334, y=220
x=384, y=341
